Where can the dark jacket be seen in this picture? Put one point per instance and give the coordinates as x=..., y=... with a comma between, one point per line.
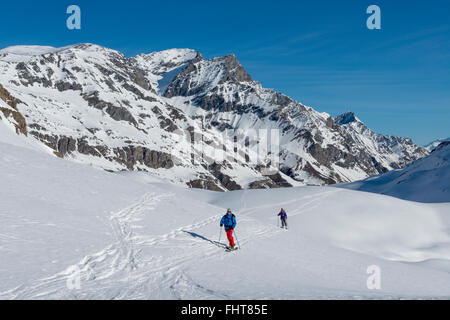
x=283, y=215
x=229, y=221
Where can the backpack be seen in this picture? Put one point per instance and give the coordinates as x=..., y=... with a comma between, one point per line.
x=232, y=217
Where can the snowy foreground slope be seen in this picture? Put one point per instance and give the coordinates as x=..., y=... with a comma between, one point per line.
x=134, y=237
x=426, y=180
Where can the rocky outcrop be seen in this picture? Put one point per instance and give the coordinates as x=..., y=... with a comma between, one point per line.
x=206, y=183
x=270, y=181
x=115, y=112
x=133, y=155
x=120, y=114
x=17, y=118
x=224, y=179
x=234, y=71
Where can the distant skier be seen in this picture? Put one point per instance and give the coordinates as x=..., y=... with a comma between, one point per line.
x=283, y=217
x=229, y=221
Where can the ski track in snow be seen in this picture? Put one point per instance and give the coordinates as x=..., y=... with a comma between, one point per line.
x=123, y=255
x=121, y=271
x=132, y=268
x=103, y=273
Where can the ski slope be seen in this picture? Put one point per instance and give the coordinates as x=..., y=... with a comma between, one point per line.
x=425, y=180
x=133, y=236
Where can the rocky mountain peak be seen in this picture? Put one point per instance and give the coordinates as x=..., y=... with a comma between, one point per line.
x=164, y=61
x=94, y=105
x=88, y=47
x=345, y=118
x=234, y=71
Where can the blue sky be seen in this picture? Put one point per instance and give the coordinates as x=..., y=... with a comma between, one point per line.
x=397, y=79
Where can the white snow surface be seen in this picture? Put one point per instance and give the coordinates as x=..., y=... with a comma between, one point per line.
x=134, y=236
x=25, y=53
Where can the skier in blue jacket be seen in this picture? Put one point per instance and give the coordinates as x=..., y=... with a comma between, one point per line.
x=283, y=217
x=229, y=222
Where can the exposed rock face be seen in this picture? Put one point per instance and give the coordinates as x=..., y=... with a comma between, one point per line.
x=188, y=83
x=271, y=181
x=224, y=179
x=205, y=183
x=234, y=71
x=196, y=122
x=6, y=97
x=132, y=155
x=346, y=118
x=120, y=113
x=12, y=113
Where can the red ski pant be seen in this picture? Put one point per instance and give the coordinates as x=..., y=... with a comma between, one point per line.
x=230, y=236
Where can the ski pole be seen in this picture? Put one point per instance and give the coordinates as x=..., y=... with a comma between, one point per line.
x=220, y=234
x=234, y=231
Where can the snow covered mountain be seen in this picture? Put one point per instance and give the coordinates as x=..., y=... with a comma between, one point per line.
x=186, y=119
x=130, y=236
x=426, y=180
x=433, y=144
